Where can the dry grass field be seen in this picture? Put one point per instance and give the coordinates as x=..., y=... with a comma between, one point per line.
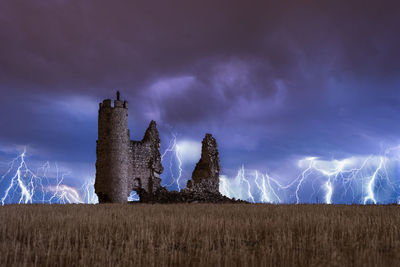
x=199, y=235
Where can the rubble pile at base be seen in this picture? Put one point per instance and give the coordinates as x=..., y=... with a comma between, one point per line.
x=162, y=195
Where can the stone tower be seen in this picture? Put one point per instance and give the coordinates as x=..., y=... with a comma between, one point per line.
x=113, y=147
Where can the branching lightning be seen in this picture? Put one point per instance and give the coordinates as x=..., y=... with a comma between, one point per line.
x=22, y=185
x=350, y=180
x=174, y=148
x=239, y=187
x=371, y=183
x=363, y=180
x=89, y=196
x=262, y=188
x=25, y=187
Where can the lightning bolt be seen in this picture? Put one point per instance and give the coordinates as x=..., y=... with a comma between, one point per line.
x=89, y=196
x=243, y=178
x=329, y=192
x=234, y=188
x=22, y=170
x=262, y=188
x=174, y=148
x=371, y=183
x=23, y=186
x=224, y=187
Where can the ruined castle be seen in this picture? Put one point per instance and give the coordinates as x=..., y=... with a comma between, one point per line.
x=124, y=165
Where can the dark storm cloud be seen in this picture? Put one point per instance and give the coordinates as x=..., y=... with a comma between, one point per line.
x=270, y=79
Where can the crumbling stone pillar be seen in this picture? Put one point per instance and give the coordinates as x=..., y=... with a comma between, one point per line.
x=205, y=177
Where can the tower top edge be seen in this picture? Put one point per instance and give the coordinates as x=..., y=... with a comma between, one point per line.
x=109, y=104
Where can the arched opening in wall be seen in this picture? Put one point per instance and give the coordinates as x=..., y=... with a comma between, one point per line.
x=133, y=196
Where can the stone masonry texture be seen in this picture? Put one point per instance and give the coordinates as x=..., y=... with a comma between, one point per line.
x=205, y=177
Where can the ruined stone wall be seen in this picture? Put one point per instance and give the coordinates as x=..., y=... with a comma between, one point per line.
x=145, y=166
x=205, y=177
x=112, y=152
x=204, y=185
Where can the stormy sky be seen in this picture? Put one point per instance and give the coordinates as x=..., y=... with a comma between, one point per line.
x=273, y=81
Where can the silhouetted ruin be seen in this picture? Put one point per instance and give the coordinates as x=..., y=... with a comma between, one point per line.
x=124, y=165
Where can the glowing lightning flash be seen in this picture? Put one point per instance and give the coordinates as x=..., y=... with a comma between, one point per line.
x=353, y=175
x=371, y=183
x=37, y=187
x=26, y=194
x=174, y=148
x=362, y=179
x=262, y=188
x=329, y=191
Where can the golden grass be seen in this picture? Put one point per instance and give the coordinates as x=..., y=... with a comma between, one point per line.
x=199, y=235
